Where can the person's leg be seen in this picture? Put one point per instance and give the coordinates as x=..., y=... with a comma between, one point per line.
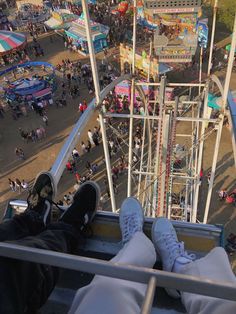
x=23, y=225
x=214, y=266
x=26, y=286
x=109, y=295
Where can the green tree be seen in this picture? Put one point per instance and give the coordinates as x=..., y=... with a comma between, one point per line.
x=226, y=12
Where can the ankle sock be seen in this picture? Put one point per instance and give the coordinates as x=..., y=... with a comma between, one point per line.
x=180, y=263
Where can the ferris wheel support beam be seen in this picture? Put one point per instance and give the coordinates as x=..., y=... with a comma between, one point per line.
x=91, y=49
x=219, y=132
x=98, y=99
x=131, y=124
x=192, y=160
x=144, y=127
x=199, y=159
x=158, y=159
x=200, y=70
x=129, y=185
x=195, y=182
x=134, y=35
x=142, y=153
x=212, y=37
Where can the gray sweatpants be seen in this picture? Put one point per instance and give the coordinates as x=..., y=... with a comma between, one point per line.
x=107, y=295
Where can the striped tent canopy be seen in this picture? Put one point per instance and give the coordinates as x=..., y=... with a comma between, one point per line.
x=11, y=41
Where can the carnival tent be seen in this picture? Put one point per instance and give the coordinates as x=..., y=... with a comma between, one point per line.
x=11, y=41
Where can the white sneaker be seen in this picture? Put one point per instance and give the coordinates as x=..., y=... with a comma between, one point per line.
x=131, y=218
x=170, y=250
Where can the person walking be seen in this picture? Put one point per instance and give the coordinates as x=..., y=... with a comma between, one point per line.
x=18, y=185
x=90, y=136
x=84, y=148
x=75, y=154
x=19, y=153
x=201, y=176
x=85, y=106
x=81, y=108
x=89, y=146
x=25, y=185
x=95, y=138
x=45, y=119
x=12, y=185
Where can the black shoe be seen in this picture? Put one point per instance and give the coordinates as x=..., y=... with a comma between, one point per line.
x=84, y=205
x=41, y=196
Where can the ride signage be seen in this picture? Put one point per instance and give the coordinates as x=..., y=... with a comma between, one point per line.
x=174, y=10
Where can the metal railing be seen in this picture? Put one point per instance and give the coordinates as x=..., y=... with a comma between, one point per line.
x=151, y=277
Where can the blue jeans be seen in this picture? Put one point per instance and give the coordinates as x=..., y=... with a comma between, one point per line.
x=25, y=286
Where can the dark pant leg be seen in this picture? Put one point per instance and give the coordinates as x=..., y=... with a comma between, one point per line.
x=25, y=286
x=20, y=226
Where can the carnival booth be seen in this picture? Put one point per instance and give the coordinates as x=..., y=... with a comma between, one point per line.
x=176, y=28
x=60, y=19
x=77, y=36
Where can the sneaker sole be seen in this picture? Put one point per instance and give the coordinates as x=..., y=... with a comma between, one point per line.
x=98, y=195
x=54, y=189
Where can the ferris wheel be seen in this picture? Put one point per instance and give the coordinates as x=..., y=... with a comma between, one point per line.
x=165, y=174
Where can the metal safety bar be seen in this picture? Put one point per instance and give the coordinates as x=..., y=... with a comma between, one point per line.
x=149, y=296
x=191, y=284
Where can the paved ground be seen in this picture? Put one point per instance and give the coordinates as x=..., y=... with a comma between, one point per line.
x=40, y=156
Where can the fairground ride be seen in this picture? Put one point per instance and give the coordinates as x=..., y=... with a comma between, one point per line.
x=155, y=182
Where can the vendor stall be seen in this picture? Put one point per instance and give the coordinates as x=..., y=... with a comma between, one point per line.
x=77, y=36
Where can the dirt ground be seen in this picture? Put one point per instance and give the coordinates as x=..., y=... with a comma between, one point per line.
x=41, y=155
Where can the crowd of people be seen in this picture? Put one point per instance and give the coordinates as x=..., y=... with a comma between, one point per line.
x=18, y=186
x=34, y=135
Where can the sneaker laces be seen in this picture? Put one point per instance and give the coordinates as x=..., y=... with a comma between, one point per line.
x=176, y=248
x=131, y=225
